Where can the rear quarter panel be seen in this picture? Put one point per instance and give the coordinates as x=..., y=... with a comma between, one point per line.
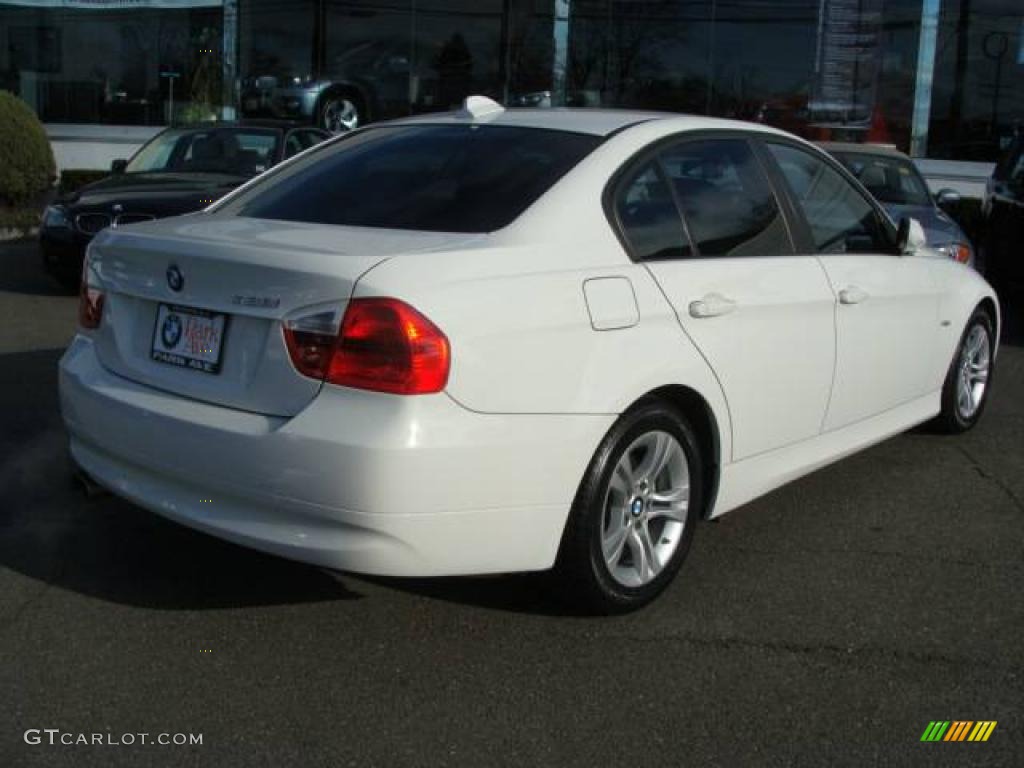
x=522, y=339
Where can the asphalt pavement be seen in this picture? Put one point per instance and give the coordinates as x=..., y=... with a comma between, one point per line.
x=825, y=624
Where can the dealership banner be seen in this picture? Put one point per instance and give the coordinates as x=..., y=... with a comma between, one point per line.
x=846, y=62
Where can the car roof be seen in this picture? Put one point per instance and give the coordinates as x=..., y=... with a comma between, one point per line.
x=597, y=122
x=879, y=150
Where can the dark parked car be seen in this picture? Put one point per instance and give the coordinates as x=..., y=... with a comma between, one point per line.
x=1003, y=214
x=896, y=183
x=179, y=170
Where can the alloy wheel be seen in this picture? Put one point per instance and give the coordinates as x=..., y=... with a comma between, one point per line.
x=973, y=372
x=340, y=115
x=645, y=508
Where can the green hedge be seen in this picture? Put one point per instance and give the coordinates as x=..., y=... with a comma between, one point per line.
x=22, y=220
x=27, y=170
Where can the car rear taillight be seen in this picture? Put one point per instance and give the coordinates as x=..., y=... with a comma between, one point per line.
x=961, y=252
x=90, y=299
x=383, y=345
x=311, y=340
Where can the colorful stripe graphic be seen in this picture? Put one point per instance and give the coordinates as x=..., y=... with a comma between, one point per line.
x=958, y=730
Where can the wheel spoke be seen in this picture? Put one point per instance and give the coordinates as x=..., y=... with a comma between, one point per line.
x=636, y=548
x=672, y=504
x=964, y=399
x=621, y=480
x=677, y=513
x=659, y=451
x=673, y=497
x=974, y=341
x=615, y=541
x=650, y=557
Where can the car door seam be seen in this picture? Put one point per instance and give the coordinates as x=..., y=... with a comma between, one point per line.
x=835, y=342
x=714, y=373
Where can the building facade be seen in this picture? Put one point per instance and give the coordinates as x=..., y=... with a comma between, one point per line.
x=938, y=78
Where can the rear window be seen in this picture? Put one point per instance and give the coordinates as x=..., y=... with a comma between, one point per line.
x=441, y=178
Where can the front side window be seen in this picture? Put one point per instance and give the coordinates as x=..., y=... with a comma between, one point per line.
x=841, y=220
x=649, y=218
x=728, y=204
x=440, y=178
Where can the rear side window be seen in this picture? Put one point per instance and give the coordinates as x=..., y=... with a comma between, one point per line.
x=442, y=178
x=648, y=216
x=840, y=218
x=728, y=204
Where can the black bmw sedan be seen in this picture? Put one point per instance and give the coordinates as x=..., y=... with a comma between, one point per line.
x=1003, y=212
x=181, y=169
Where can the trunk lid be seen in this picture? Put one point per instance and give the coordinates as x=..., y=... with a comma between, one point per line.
x=255, y=273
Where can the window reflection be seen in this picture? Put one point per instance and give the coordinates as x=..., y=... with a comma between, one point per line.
x=276, y=38
x=104, y=65
x=978, y=101
x=840, y=219
x=727, y=204
x=820, y=68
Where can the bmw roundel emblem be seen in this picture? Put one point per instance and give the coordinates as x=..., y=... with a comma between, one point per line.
x=175, y=280
x=170, y=332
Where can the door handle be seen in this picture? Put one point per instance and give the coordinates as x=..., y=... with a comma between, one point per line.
x=852, y=295
x=712, y=305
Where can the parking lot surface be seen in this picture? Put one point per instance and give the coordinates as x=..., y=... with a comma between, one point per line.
x=826, y=624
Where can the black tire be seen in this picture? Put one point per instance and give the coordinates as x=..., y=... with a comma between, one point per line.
x=951, y=419
x=581, y=563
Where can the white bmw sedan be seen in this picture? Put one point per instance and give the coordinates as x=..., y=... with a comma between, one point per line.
x=494, y=341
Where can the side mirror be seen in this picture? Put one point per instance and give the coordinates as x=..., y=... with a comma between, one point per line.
x=910, y=237
x=947, y=198
x=118, y=166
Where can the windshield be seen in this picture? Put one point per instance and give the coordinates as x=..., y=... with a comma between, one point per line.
x=233, y=151
x=891, y=180
x=440, y=178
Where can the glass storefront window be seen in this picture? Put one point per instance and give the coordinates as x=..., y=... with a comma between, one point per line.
x=820, y=68
x=978, y=91
x=853, y=70
x=276, y=38
x=360, y=60
x=101, y=62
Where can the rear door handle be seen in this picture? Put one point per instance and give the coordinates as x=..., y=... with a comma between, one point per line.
x=852, y=295
x=712, y=305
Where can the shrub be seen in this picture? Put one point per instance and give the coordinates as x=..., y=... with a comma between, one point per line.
x=26, y=159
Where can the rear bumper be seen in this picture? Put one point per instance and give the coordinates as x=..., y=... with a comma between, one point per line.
x=371, y=483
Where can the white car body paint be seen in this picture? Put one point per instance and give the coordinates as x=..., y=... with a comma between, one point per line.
x=547, y=351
